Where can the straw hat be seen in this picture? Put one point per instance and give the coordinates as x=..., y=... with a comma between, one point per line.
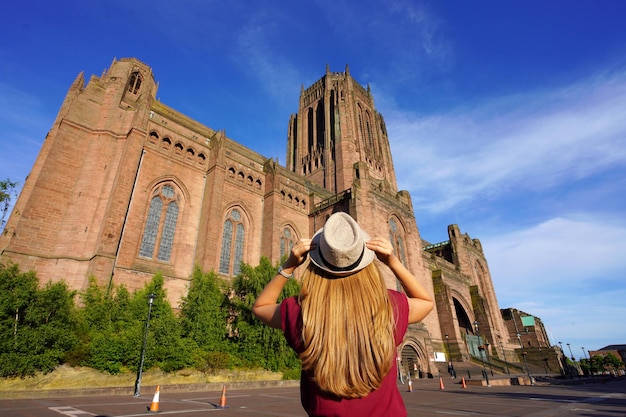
x=339, y=246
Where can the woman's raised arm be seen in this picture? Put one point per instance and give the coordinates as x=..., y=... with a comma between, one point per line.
x=420, y=301
x=266, y=307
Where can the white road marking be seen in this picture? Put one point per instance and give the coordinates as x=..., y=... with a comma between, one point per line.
x=70, y=411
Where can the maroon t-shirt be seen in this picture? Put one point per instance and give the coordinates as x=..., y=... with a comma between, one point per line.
x=385, y=401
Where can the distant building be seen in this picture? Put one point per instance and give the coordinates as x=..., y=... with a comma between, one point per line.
x=125, y=187
x=533, y=344
x=527, y=329
x=618, y=350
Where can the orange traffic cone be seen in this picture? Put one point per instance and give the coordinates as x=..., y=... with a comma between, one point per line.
x=463, y=383
x=440, y=383
x=154, y=406
x=410, y=385
x=223, y=398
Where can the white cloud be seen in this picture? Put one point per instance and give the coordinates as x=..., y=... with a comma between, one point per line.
x=567, y=271
x=258, y=57
x=531, y=141
x=576, y=252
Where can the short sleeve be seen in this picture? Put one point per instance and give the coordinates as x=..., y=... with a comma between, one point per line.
x=291, y=323
x=401, y=314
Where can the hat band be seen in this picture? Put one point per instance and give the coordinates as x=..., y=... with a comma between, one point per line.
x=342, y=268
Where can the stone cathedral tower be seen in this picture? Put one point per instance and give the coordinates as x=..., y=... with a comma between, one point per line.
x=125, y=187
x=338, y=127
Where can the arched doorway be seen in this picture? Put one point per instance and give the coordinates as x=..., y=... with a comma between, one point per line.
x=462, y=344
x=414, y=362
x=465, y=324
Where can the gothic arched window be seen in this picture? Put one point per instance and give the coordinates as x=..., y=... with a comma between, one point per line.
x=135, y=82
x=310, y=131
x=368, y=132
x=360, y=119
x=233, y=236
x=287, y=240
x=397, y=240
x=158, y=234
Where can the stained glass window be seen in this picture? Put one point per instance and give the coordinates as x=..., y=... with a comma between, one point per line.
x=152, y=228
x=395, y=236
x=238, y=249
x=232, y=251
x=226, y=244
x=160, y=227
x=167, y=191
x=287, y=240
x=167, y=239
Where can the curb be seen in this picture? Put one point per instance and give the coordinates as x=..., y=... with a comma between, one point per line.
x=129, y=391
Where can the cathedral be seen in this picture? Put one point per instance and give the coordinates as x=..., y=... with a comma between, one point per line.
x=125, y=187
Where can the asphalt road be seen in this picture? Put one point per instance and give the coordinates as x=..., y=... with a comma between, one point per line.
x=597, y=398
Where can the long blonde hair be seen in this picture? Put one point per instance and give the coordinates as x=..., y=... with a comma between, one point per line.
x=348, y=331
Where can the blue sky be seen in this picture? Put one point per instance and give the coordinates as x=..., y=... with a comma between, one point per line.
x=507, y=118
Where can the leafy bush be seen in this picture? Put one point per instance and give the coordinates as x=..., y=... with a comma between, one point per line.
x=255, y=343
x=205, y=312
x=41, y=328
x=292, y=373
x=209, y=362
x=37, y=326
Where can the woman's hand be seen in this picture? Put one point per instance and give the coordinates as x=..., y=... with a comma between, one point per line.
x=383, y=249
x=298, y=254
x=266, y=306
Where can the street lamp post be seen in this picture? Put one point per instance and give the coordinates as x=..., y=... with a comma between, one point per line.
x=151, y=298
x=586, y=360
x=481, y=348
x=570, y=352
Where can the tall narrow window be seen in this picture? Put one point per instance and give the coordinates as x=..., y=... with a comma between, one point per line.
x=169, y=227
x=135, y=83
x=368, y=132
x=320, y=124
x=287, y=240
x=160, y=225
x=152, y=227
x=233, y=240
x=361, y=130
x=395, y=236
x=238, y=249
x=310, y=131
x=227, y=239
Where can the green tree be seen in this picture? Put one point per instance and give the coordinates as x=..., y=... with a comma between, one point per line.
x=109, y=329
x=105, y=310
x=596, y=364
x=257, y=344
x=16, y=293
x=117, y=320
x=38, y=326
x=8, y=190
x=611, y=362
x=205, y=317
x=167, y=348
